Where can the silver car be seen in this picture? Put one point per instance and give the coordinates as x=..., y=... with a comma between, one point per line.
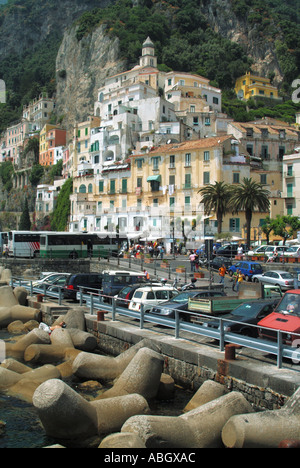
x=281, y=278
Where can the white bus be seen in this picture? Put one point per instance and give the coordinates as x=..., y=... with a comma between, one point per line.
x=23, y=244
x=3, y=242
x=80, y=245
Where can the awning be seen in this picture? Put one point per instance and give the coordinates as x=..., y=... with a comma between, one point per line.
x=152, y=178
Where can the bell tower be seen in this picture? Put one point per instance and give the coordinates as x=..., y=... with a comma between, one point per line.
x=148, y=59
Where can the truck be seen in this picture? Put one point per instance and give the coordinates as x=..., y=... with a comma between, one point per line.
x=286, y=318
x=223, y=305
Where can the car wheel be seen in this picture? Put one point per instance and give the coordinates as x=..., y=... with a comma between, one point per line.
x=255, y=280
x=247, y=278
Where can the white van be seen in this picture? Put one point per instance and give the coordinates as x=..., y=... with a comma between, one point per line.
x=150, y=296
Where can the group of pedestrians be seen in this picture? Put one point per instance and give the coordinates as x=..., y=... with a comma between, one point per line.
x=237, y=277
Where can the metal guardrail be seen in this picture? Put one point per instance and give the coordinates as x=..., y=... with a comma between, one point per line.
x=95, y=301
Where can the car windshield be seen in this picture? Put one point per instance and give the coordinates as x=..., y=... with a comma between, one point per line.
x=290, y=303
x=183, y=297
x=292, y=249
x=248, y=310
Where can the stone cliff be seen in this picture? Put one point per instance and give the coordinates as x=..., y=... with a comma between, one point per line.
x=81, y=68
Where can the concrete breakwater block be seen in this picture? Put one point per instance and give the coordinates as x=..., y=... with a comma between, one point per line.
x=113, y=412
x=23, y=385
x=142, y=376
x=11, y=310
x=64, y=414
x=44, y=353
x=122, y=440
x=68, y=416
x=209, y=390
x=35, y=336
x=83, y=340
x=198, y=428
x=266, y=429
x=95, y=367
x=61, y=337
x=16, y=366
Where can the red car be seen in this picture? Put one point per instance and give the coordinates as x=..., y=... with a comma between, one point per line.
x=286, y=317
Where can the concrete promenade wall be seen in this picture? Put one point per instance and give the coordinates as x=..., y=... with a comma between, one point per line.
x=190, y=364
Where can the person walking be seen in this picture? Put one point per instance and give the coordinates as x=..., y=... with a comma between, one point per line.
x=192, y=258
x=222, y=272
x=240, y=279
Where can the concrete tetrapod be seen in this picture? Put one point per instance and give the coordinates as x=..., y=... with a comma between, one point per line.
x=35, y=336
x=68, y=416
x=198, y=428
x=63, y=412
x=113, y=412
x=97, y=367
x=24, y=385
x=265, y=429
x=209, y=390
x=122, y=440
x=142, y=376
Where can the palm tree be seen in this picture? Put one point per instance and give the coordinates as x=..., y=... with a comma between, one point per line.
x=215, y=197
x=248, y=196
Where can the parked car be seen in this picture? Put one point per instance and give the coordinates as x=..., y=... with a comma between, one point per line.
x=114, y=281
x=180, y=302
x=150, y=296
x=124, y=296
x=286, y=317
x=281, y=278
x=248, y=269
x=293, y=251
x=246, y=314
x=88, y=281
x=259, y=250
x=229, y=250
x=51, y=279
x=280, y=249
x=217, y=262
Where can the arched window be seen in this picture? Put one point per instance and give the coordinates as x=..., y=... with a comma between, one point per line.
x=82, y=189
x=90, y=188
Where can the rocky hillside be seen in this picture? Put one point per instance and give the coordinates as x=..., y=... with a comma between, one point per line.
x=41, y=48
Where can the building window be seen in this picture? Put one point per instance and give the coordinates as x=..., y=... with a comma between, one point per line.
x=82, y=189
x=112, y=186
x=205, y=177
x=263, y=179
x=101, y=185
x=172, y=161
x=155, y=162
x=90, y=188
x=236, y=178
x=188, y=181
x=206, y=156
x=289, y=209
x=289, y=190
x=234, y=224
x=188, y=159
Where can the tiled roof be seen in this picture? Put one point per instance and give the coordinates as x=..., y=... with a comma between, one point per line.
x=191, y=145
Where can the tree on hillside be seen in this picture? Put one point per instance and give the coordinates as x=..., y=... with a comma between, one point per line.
x=249, y=196
x=215, y=198
x=60, y=216
x=25, y=223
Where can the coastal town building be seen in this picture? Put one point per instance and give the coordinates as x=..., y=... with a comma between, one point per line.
x=52, y=140
x=252, y=86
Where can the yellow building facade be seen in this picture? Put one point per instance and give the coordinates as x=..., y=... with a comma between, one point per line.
x=249, y=86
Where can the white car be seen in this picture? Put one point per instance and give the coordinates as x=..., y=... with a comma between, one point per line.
x=293, y=251
x=260, y=250
x=281, y=278
x=150, y=296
